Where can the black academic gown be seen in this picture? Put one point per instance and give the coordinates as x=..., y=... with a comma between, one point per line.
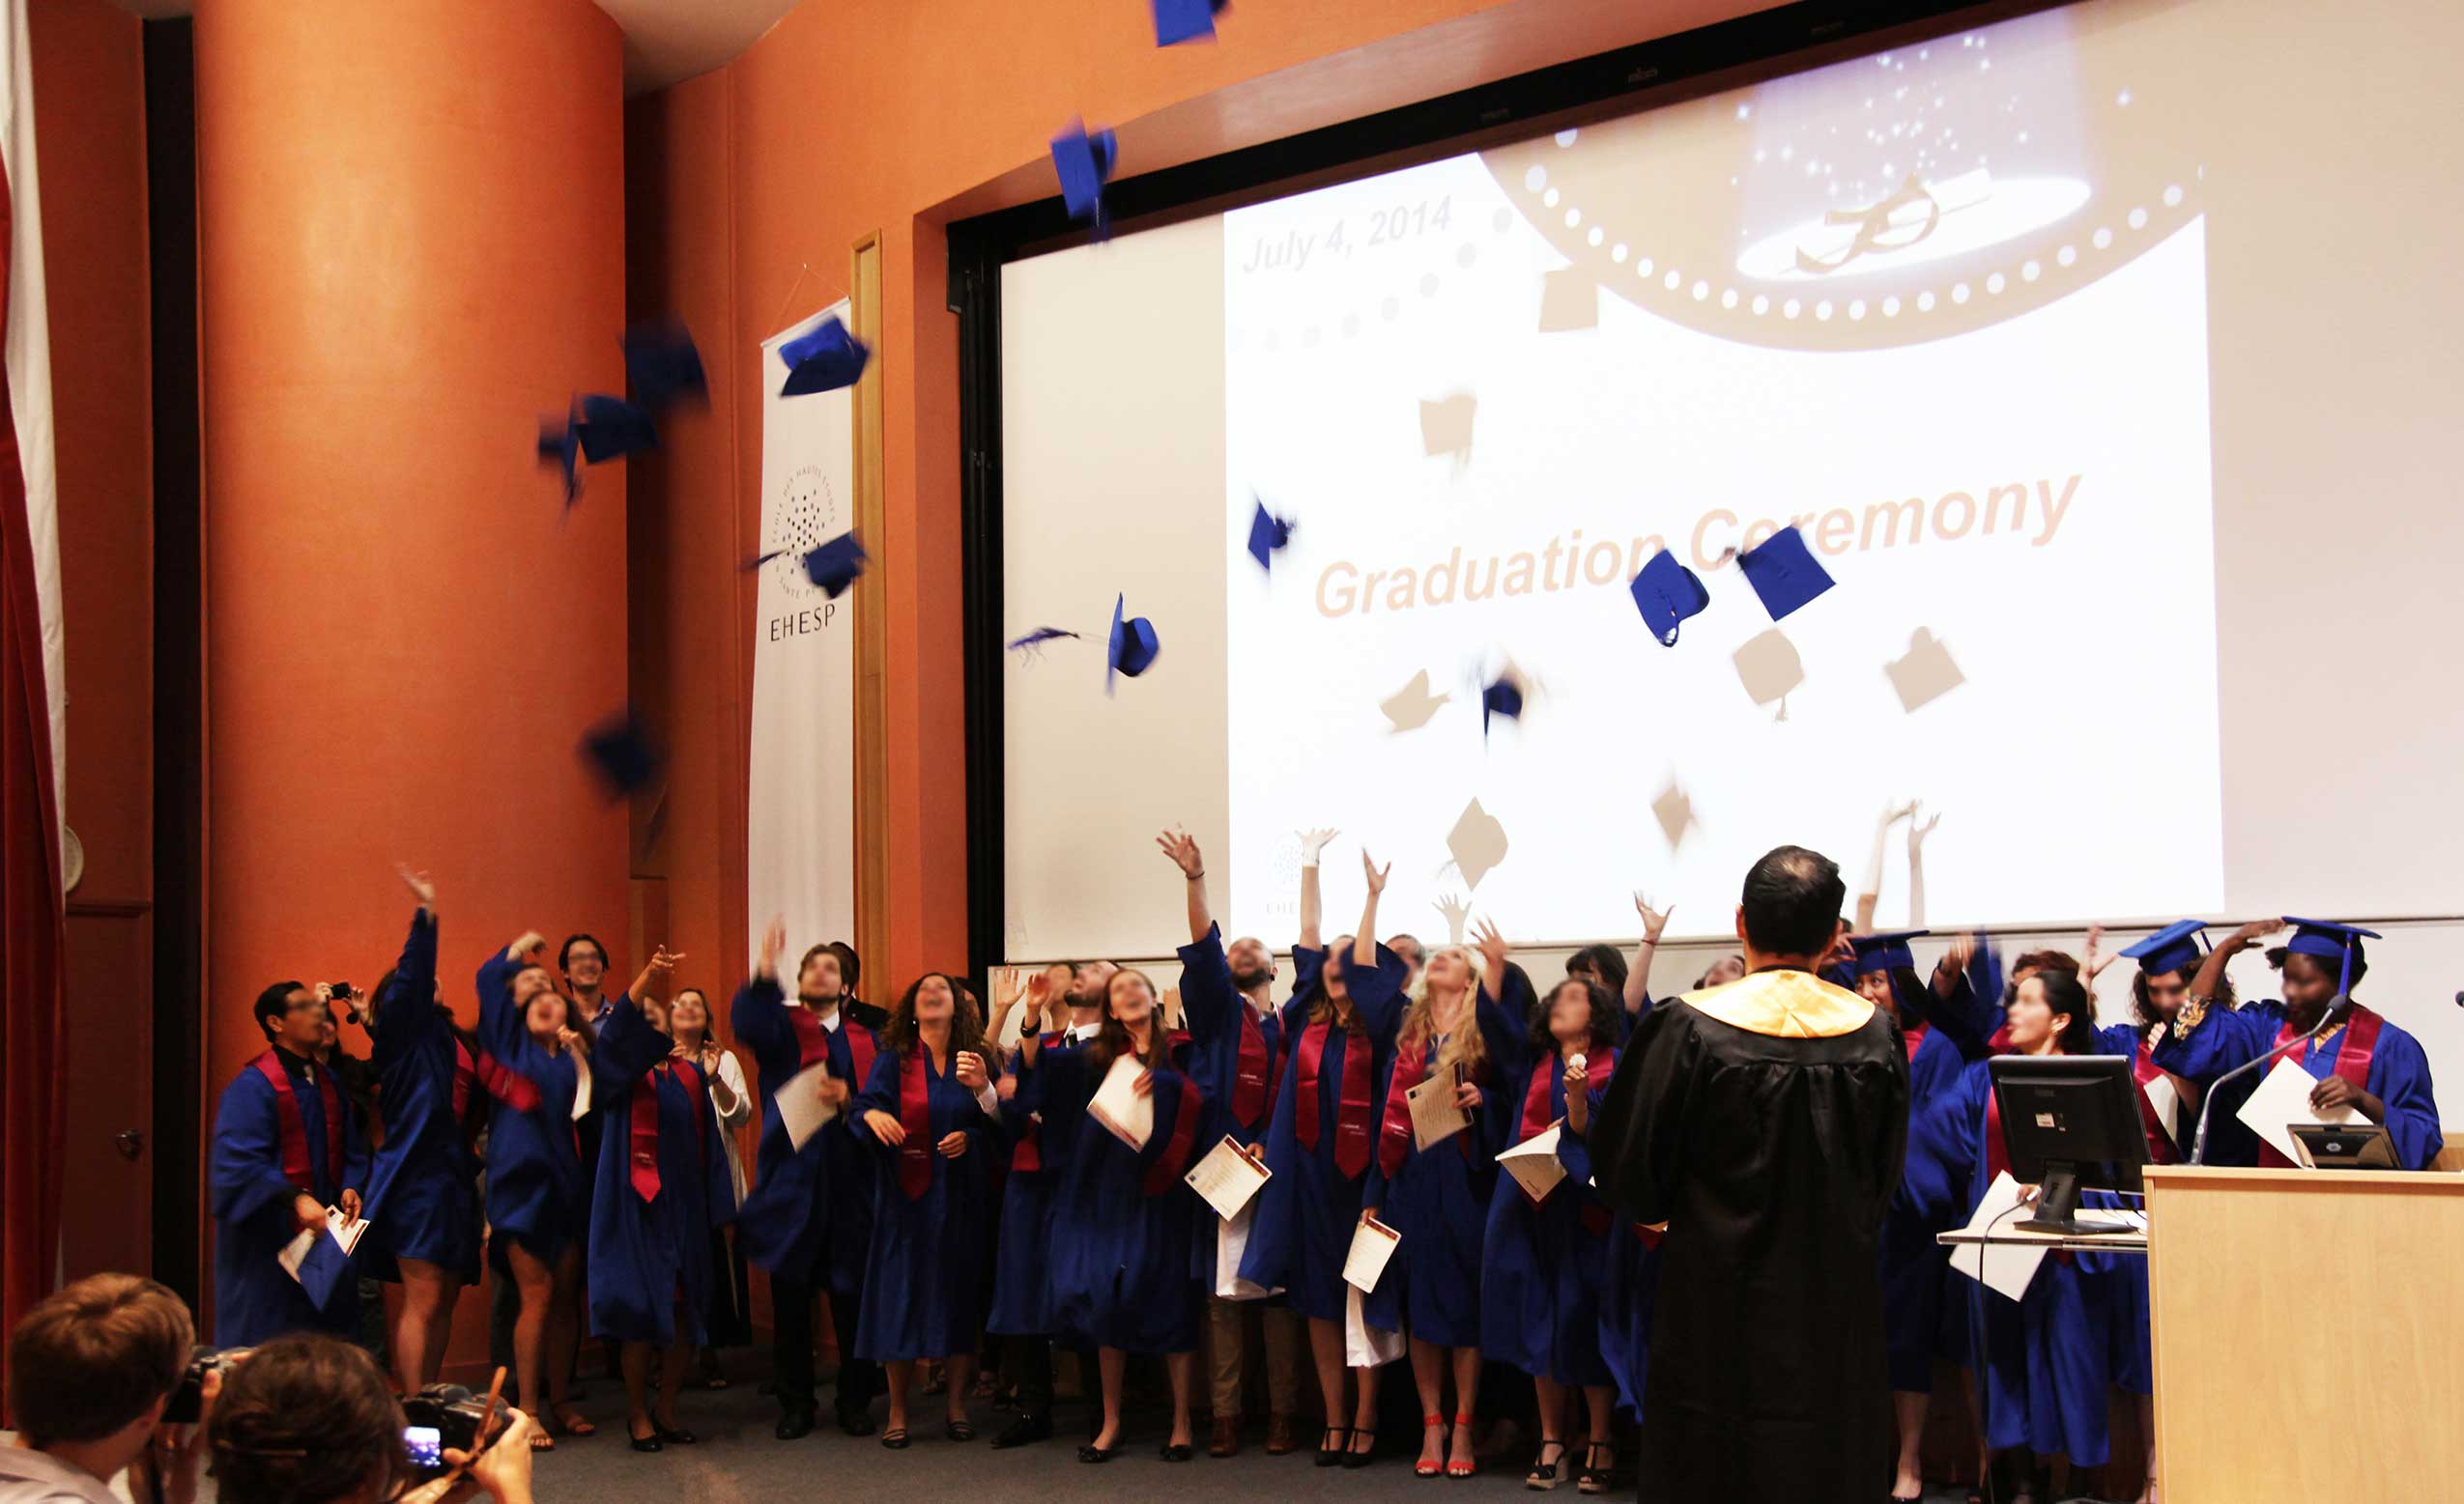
x=1765, y=1122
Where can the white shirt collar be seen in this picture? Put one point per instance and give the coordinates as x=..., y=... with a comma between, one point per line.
x=24, y=1464
x=830, y=1020
x=1077, y=1031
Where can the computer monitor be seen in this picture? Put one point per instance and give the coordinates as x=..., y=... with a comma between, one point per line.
x=2070, y=1124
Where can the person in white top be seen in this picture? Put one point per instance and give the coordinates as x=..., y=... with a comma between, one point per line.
x=90, y=1371
x=734, y=1105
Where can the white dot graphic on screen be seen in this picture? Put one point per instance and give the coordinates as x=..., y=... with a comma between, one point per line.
x=2138, y=218
x=1594, y=237
x=1464, y=255
x=1790, y=308
x=1642, y=267
x=2101, y=239
x=1671, y=280
x=1857, y=308
x=1389, y=308
x=2067, y=255
x=1616, y=253
x=1958, y=292
x=1728, y=298
x=1762, y=304
x=1504, y=219
x=1429, y=285
x=1573, y=218
x=2173, y=196
x=1995, y=283
x=1535, y=178
x=1565, y=139
x=1701, y=290
x=1891, y=306
x=2123, y=98
x=1309, y=337
x=1924, y=302
x=1351, y=324
x=1551, y=197
x=1745, y=112
x=1822, y=309
x=2032, y=271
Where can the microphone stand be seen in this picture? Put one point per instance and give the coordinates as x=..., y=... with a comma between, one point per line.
x=2337, y=1008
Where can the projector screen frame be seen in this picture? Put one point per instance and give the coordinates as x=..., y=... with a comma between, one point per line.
x=1623, y=81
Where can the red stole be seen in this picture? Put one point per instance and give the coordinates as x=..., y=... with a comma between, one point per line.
x=811, y=1041
x=1394, y=1132
x=463, y=1070
x=1168, y=1165
x=915, y=1115
x=1351, y=1107
x=1253, y=1074
x=2352, y=1062
x=1914, y=1037
x=1537, y=1098
x=297, y=1167
x=1649, y=1236
x=509, y=1087
x=642, y=1123
x=1028, y=1156
x=860, y=1049
x=2159, y=1138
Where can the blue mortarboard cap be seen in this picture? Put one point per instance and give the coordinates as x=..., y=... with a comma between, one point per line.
x=2327, y=938
x=1132, y=647
x=1885, y=951
x=1839, y=973
x=323, y=1270
x=835, y=564
x=1184, y=20
x=621, y=751
x=1782, y=572
x=824, y=360
x=610, y=428
x=1083, y=161
x=1501, y=698
x=1667, y=592
x=1268, y=532
x=2176, y=948
x=665, y=367
x=560, y=445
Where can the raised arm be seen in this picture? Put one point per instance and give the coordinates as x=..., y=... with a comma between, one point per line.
x=1869, y=893
x=402, y=1017
x=1182, y=849
x=1364, y=940
x=1637, y=977
x=2211, y=973
x=1312, y=845
x=657, y=974
x=1917, y=831
x=1501, y=1008
x=501, y=1031
x=759, y=1014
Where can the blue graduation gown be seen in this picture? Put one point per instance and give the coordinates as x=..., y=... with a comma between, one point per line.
x=2400, y=1073
x=1022, y=1269
x=1949, y=1033
x=1542, y=1268
x=1121, y=1268
x=1437, y=1198
x=784, y=1226
x=254, y=1298
x=1211, y=1009
x=1303, y=1229
x=647, y=1259
x=924, y=1295
x=537, y=1188
x=2047, y=1356
x=423, y=1190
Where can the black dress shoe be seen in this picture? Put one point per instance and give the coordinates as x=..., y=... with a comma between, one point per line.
x=649, y=1443
x=1091, y=1452
x=1176, y=1452
x=675, y=1436
x=854, y=1421
x=1025, y=1429
x=793, y=1425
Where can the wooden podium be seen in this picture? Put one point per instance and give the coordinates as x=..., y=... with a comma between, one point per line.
x=2309, y=1334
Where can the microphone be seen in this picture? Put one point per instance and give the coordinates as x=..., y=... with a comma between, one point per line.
x=2337, y=1008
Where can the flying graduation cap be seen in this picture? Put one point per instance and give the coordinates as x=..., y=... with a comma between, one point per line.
x=666, y=368
x=1667, y=592
x=621, y=751
x=1784, y=572
x=1269, y=534
x=1503, y=696
x=1083, y=161
x=2176, y=948
x=833, y=566
x=1184, y=20
x=1131, y=648
x=824, y=359
x=597, y=427
x=2324, y=938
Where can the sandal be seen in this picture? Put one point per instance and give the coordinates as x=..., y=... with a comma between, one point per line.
x=1332, y=1455
x=1591, y=1479
x=896, y=1439
x=1424, y=1468
x=959, y=1430
x=1468, y=1463
x=570, y=1422
x=1546, y=1472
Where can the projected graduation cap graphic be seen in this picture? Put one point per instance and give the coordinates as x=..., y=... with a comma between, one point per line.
x=1129, y=648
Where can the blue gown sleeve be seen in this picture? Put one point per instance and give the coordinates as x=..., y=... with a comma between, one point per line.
x=1504, y=1034
x=1307, y=963
x=1059, y=1083
x=760, y=1018
x=354, y=1176
x=627, y=1048
x=2223, y=1040
x=409, y=1015
x=880, y=1094
x=2401, y=1079
x=501, y=1032
x=1378, y=994
x=1206, y=990
x=1574, y=1149
x=248, y=1152
x=1969, y=1016
x=1943, y=1143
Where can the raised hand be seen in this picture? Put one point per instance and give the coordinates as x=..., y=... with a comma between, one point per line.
x=1492, y=947
x=2098, y=958
x=970, y=1069
x=1014, y=986
x=774, y=942
x=1183, y=848
x=1467, y=1096
x=1312, y=842
x=1654, y=919
x=1917, y=830
x=531, y=949
x=1374, y=873
x=1456, y=911
x=2255, y=931
x=1893, y=811
x=886, y=1128
x=421, y=885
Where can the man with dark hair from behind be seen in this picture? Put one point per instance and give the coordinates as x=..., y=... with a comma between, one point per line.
x=89, y=1372
x=1763, y=1122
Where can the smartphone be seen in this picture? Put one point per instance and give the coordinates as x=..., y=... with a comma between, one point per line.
x=425, y=1444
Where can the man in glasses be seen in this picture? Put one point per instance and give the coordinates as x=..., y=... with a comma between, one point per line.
x=285, y=1150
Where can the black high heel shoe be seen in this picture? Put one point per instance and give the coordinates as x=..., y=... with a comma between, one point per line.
x=1354, y=1458
x=1595, y=1479
x=673, y=1435
x=1332, y=1455
x=1176, y=1452
x=1091, y=1452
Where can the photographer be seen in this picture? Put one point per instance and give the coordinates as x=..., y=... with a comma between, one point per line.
x=308, y=1420
x=90, y=1371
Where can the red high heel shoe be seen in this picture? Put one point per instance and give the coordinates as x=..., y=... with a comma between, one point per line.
x=1426, y=1469
x=1466, y=1465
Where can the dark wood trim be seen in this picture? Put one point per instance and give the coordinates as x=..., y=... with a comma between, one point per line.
x=871, y=708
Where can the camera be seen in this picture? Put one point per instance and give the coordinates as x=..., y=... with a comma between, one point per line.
x=438, y=1417
x=187, y=1396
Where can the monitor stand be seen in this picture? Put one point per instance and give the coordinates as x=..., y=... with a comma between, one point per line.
x=2057, y=1206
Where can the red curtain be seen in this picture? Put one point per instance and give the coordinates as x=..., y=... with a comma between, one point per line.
x=33, y=917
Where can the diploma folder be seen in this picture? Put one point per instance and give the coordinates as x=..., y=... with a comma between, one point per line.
x=1534, y=1163
x=1228, y=1176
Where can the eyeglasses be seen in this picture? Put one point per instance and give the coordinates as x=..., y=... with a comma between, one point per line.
x=305, y=1005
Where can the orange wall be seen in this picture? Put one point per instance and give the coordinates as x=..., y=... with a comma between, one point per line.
x=90, y=147
x=862, y=115
x=411, y=246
